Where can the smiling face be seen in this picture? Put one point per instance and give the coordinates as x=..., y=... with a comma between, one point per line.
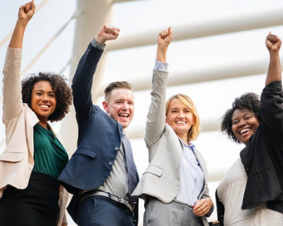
x=244, y=124
x=43, y=100
x=180, y=118
x=120, y=106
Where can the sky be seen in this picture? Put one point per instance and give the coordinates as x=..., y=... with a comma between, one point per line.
x=193, y=55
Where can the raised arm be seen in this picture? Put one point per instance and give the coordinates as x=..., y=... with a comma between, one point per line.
x=163, y=41
x=83, y=78
x=26, y=12
x=12, y=96
x=273, y=44
x=272, y=97
x=156, y=115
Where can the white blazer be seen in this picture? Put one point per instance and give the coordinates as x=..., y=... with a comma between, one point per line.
x=16, y=161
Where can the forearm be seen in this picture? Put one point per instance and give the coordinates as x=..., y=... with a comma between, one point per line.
x=18, y=35
x=274, y=69
x=12, y=96
x=161, y=53
x=82, y=81
x=156, y=115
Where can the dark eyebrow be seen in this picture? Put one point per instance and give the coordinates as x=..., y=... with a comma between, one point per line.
x=246, y=112
x=43, y=91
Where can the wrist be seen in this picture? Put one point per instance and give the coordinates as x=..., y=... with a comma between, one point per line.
x=22, y=23
x=274, y=54
x=162, y=48
x=100, y=39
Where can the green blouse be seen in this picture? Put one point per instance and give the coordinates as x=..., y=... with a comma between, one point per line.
x=50, y=157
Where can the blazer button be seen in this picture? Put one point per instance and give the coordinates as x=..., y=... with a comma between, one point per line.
x=110, y=163
x=116, y=148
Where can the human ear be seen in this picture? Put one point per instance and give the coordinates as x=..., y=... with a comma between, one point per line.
x=105, y=106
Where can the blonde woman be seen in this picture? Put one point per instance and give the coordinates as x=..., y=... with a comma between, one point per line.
x=174, y=184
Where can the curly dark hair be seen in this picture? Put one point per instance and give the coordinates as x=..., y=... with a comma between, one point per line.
x=248, y=101
x=62, y=92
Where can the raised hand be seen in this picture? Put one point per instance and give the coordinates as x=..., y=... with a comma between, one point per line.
x=163, y=41
x=165, y=37
x=273, y=43
x=107, y=32
x=26, y=12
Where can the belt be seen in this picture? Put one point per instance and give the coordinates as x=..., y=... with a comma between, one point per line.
x=107, y=195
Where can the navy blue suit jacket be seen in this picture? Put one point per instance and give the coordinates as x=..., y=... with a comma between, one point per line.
x=99, y=135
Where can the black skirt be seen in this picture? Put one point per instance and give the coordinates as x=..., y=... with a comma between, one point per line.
x=37, y=205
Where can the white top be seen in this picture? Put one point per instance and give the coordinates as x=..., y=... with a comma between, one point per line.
x=231, y=191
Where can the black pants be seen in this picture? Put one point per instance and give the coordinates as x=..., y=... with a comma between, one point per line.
x=37, y=205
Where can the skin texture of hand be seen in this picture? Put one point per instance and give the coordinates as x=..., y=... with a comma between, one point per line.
x=163, y=41
x=164, y=38
x=26, y=12
x=107, y=32
x=202, y=207
x=273, y=43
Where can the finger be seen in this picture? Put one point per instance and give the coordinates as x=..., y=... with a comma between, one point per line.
x=201, y=211
x=202, y=207
x=170, y=31
x=164, y=34
x=22, y=8
x=27, y=7
x=117, y=29
x=106, y=28
x=161, y=35
x=33, y=6
x=116, y=32
x=272, y=38
x=110, y=30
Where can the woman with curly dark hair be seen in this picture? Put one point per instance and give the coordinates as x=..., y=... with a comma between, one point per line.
x=251, y=192
x=60, y=89
x=30, y=194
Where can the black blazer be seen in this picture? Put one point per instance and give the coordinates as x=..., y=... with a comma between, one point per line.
x=263, y=155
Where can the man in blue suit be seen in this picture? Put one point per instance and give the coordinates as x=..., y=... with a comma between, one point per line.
x=101, y=174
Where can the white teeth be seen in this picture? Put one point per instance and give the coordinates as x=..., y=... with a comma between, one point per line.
x=244, y=130
x=180, y=122
x=124, y=115
x=44, y=106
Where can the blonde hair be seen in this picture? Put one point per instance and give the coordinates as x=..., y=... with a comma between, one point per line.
x=187, y=101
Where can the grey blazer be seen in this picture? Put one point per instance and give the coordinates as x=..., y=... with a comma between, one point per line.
x=161, y=178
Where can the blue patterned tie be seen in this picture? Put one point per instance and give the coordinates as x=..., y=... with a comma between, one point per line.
x=132, y=170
